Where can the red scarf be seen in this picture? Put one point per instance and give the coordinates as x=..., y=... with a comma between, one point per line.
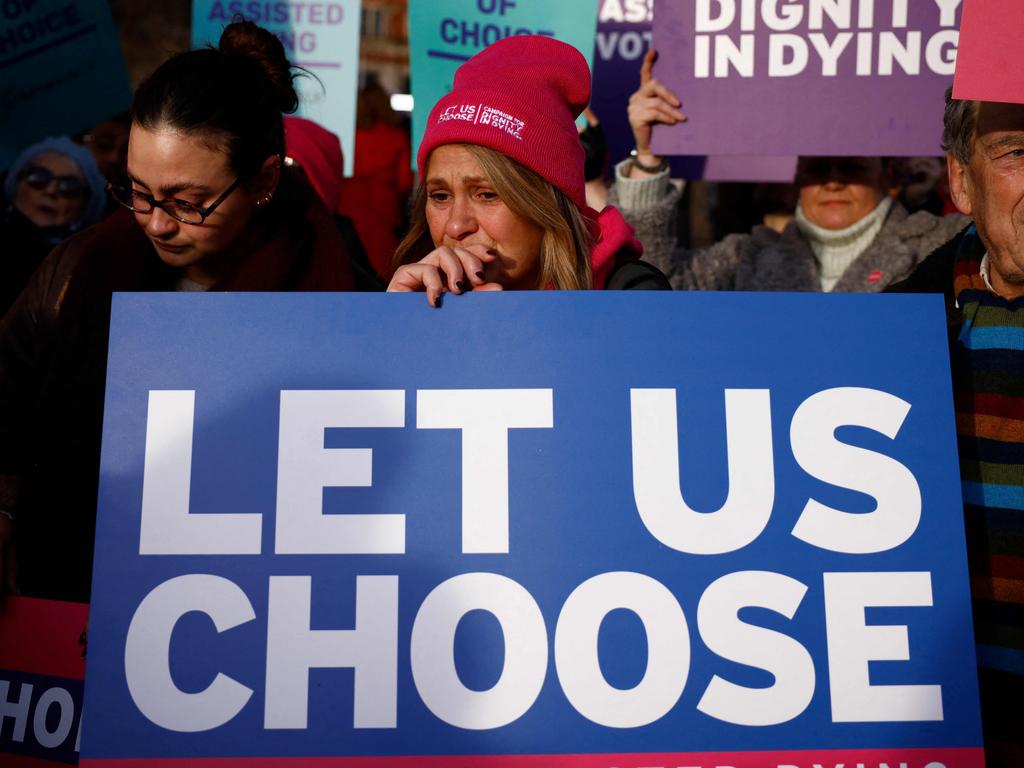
x=615, y=244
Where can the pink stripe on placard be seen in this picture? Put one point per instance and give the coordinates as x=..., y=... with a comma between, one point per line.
x=43, y=637
x=973, y=757
x=23, y=761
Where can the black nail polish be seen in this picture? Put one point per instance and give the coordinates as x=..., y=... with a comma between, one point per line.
x=437, y=301
x=461, y=285
x=480, y=274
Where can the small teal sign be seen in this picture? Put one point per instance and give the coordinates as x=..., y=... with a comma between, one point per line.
x=61, y=70
x=322, y=38
x=445, y=33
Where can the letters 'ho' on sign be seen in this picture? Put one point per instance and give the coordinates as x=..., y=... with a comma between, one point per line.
x=990, y=65
x=42, y=665
x=812, y=77
x=530, y=530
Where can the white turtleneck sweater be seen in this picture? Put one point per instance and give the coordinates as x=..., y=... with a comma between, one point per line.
x=837, y=249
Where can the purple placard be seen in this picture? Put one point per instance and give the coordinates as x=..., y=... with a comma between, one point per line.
x=779, y=170
x=623, y=37
x=877, y=90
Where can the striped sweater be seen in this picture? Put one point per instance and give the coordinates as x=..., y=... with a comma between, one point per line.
x=988, y=384
x=987, y=358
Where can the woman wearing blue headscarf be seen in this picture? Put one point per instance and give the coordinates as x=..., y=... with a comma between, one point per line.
x=53, y=190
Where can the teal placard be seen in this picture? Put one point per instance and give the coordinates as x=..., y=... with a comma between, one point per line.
x=322, y=38
x=61, y=70
x=445, y=33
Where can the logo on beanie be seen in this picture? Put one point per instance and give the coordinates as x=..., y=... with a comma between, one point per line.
x=464, y=112
x=480, y=114
x=502, y=121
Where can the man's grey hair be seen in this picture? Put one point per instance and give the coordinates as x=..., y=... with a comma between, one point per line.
x=960, y=123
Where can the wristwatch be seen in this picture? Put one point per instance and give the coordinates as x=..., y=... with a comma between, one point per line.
x=661, y=166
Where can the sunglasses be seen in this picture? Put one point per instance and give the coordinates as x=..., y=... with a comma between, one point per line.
x=38, y=177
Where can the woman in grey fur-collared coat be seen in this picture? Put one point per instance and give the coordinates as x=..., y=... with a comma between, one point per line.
x=848, y=233
x=886, y=249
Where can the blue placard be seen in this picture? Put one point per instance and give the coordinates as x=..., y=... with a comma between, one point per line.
x=655, y=529
x=61, y=70
x=321, y=38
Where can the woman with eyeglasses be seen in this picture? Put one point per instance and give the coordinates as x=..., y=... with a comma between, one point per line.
x=207, y=205
x=53, y=190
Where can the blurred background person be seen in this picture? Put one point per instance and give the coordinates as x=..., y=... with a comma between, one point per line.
x=923, y=184
x=376, y=196
x=595, y=163
x=54, y=190
x=108, y=143
x=316, y=152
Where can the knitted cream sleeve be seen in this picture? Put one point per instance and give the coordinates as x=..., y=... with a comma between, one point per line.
x=649, y=205
x=639, y=194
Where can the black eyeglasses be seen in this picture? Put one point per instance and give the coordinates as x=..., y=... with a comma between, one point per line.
x=183, y=211
x=38, y=177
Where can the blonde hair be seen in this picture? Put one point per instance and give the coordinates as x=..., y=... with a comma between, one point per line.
x=568, y=236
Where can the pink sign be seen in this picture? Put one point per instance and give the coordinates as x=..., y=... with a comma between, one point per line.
x=990, y=64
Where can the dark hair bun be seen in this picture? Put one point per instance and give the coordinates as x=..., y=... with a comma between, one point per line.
x=232, y=95
x=262, y=47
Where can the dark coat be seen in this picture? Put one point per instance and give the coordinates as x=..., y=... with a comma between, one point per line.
x=53, y=354
x=22, y=249
x=935, y=275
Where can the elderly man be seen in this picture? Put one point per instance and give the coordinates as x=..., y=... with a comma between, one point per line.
x=981, y=273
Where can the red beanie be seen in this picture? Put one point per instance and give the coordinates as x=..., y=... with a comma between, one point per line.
x=318, y=151
x=521, y=97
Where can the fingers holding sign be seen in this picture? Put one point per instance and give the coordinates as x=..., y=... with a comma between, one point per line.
x=445, y=269
x=651, y=104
